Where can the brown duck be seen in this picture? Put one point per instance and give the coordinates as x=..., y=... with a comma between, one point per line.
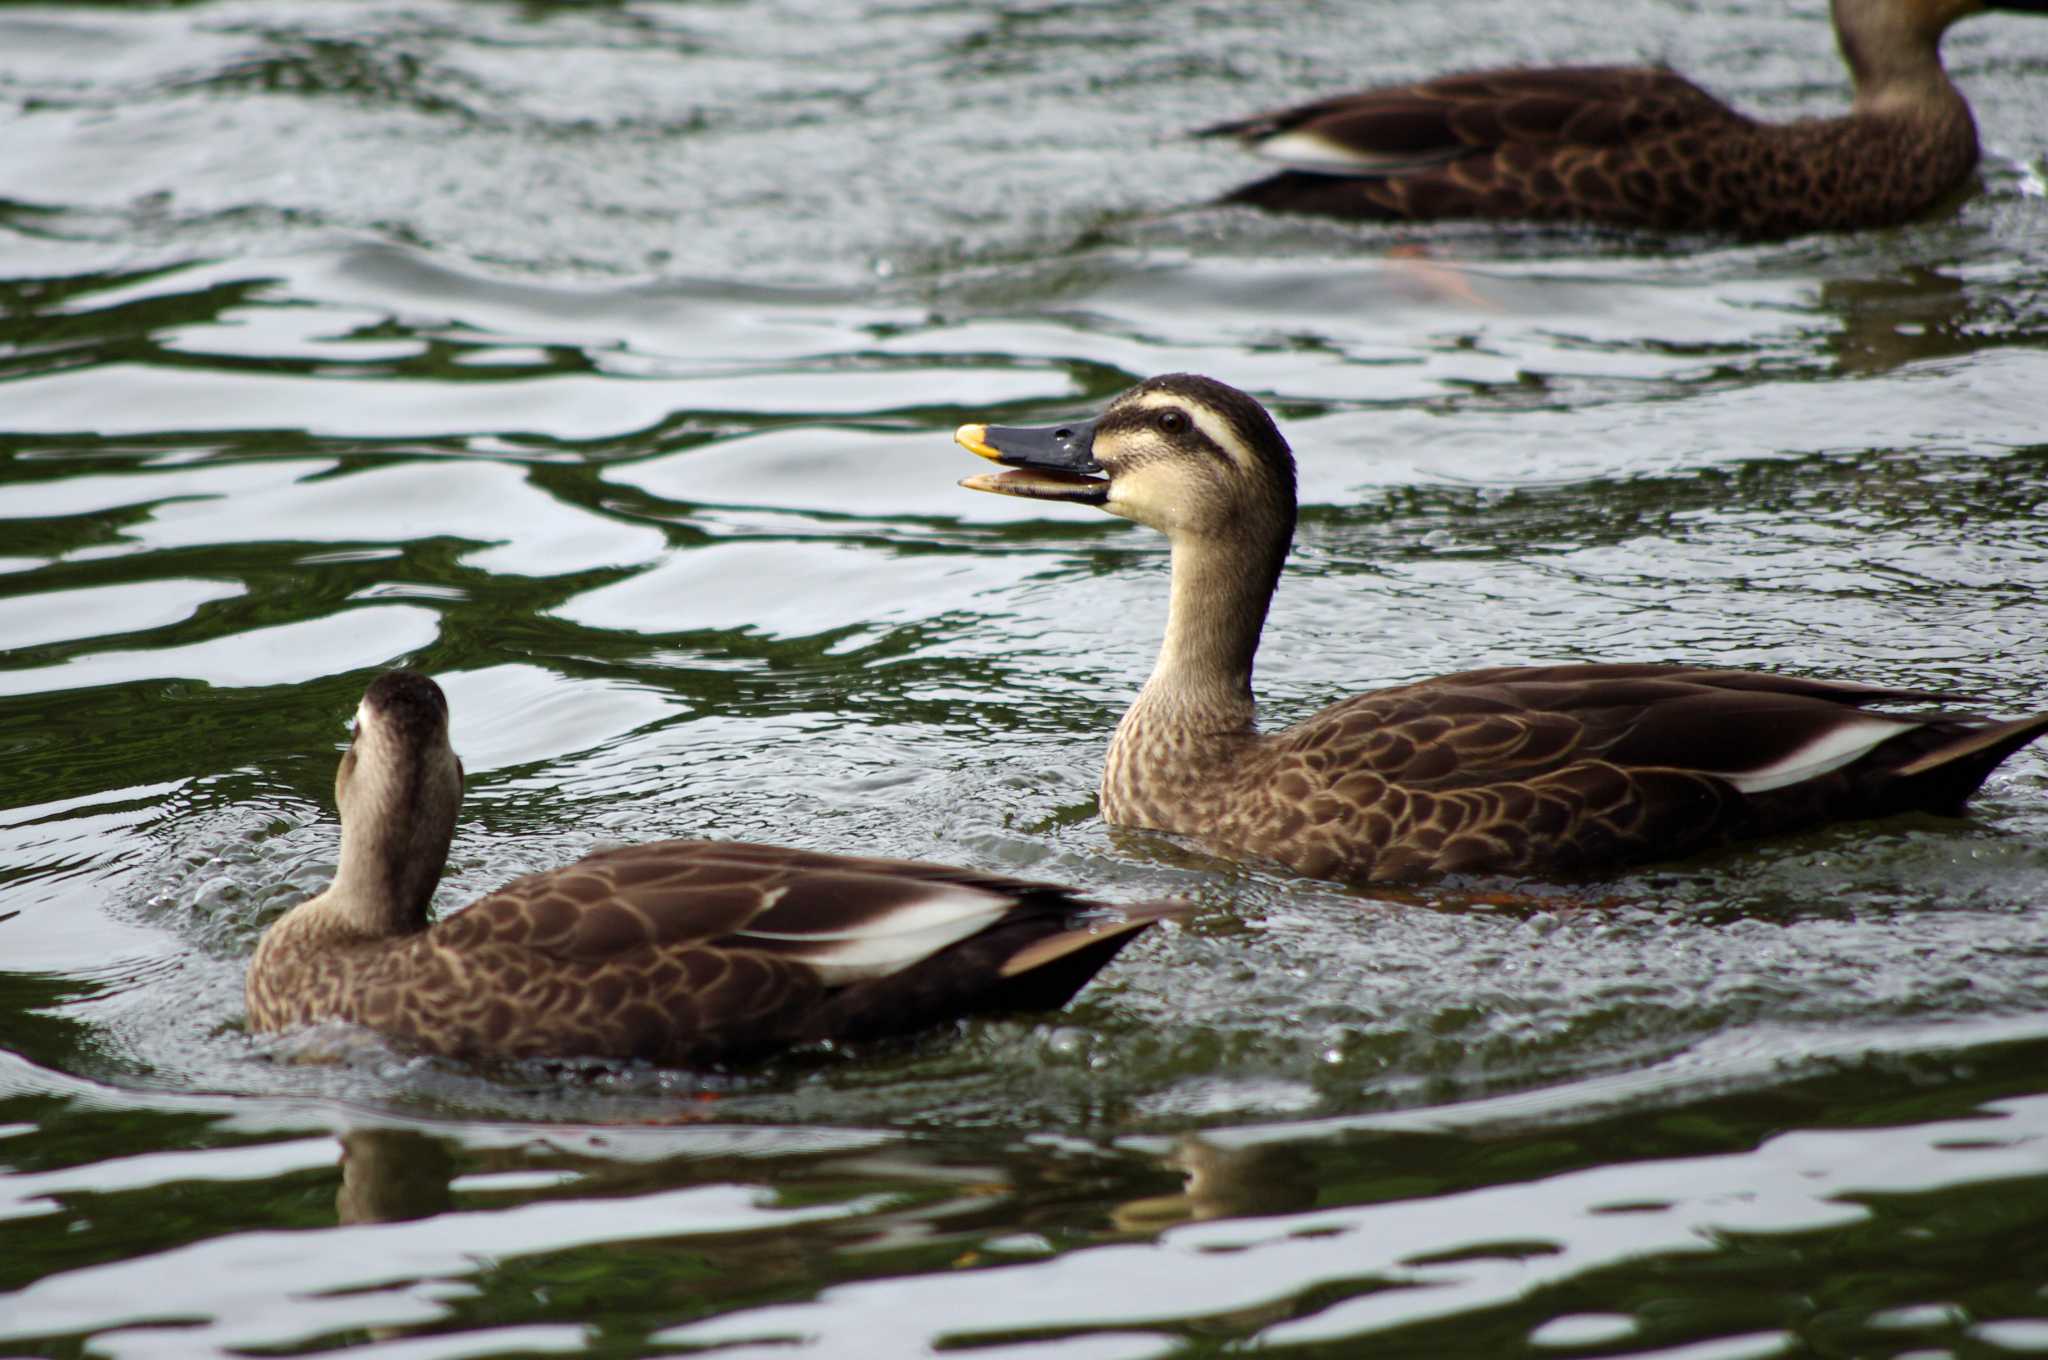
x=1638, y=146
x=1538, y=770
x=679, y=952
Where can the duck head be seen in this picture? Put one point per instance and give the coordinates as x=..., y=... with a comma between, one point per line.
x=398, y=789
x=1187, y=455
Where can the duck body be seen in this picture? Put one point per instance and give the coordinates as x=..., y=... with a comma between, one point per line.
x=1548, y=770
x=1637, y=146
x=1545, y=770
x=679, y=952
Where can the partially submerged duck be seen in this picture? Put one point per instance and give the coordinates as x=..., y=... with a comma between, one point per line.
x=1638, y=146
x=679, y=952
x=1525, y=770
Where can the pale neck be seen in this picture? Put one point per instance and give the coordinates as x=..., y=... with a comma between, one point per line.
x=392, y=854
x=1217, y=609
x=1895, y=70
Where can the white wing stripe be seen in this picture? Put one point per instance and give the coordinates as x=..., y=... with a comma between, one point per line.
x=1826, y=753
x=910, y=933
x=1324, y=155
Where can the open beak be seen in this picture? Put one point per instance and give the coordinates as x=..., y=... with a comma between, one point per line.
x=1051, y=463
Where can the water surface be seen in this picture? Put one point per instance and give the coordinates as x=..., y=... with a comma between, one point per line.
x=602, y=361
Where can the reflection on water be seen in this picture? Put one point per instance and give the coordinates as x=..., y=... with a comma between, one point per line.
x=529, y=345
x=1455, y=1231
x=392, y=1175
x=1887, y=322
x=1225, y=1182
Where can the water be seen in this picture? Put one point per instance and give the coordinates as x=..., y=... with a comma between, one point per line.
x=601, y=360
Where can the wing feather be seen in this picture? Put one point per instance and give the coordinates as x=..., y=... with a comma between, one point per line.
x=845, y=917
x=1757, y=730
x=1399, y=128
x=1567, y=767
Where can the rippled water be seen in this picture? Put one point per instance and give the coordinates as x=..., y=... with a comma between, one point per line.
x=601, y=360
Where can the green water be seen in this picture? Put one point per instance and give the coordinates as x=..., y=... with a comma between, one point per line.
x=602, y=361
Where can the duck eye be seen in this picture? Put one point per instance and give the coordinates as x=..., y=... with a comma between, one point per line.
x=1171, y=422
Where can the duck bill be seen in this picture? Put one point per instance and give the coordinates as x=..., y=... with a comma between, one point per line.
x=1051, y=463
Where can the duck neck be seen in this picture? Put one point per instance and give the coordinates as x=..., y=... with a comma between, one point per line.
x=387, y=877
x=394, y=844
x=1894, y=59
x=1203, y=677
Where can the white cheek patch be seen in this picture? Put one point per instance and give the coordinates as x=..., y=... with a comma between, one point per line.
x=1823, y=755
x=372, y=735
x=1146, y=496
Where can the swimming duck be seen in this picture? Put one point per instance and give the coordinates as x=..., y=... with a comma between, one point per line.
x=681, y=952
x=1524, y=770
x=1638, y=146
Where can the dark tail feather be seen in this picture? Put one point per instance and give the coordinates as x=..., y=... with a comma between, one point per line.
x=1942, y=780
x=1305, y=191
x=1244, y=129
x=1045, y=974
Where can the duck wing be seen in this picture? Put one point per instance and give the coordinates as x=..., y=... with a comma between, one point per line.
x=684, y=950
x=1399, y=127
x=1574, y=142
x=847, y=917
x=1543, y=768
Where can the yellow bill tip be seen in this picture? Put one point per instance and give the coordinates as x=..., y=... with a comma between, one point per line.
x=974, y=438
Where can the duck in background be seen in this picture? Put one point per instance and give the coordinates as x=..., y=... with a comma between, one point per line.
x=679, y=952
x=1638, y=146
x=1514, y=770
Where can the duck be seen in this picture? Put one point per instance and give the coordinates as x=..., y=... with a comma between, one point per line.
x=683, y=953
x=1547, y=771
x=1638, y=146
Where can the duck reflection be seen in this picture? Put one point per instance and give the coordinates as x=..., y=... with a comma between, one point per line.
x=393, y=1175
x=1224, y=1182
x=1898, y=319
x=925, y=1198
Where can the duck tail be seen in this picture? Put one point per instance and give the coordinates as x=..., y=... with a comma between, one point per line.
x=1942, y=778
x=1045, y=973
x=1034, y=959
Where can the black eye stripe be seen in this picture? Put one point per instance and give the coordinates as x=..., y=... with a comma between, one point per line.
x=1174, y=422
